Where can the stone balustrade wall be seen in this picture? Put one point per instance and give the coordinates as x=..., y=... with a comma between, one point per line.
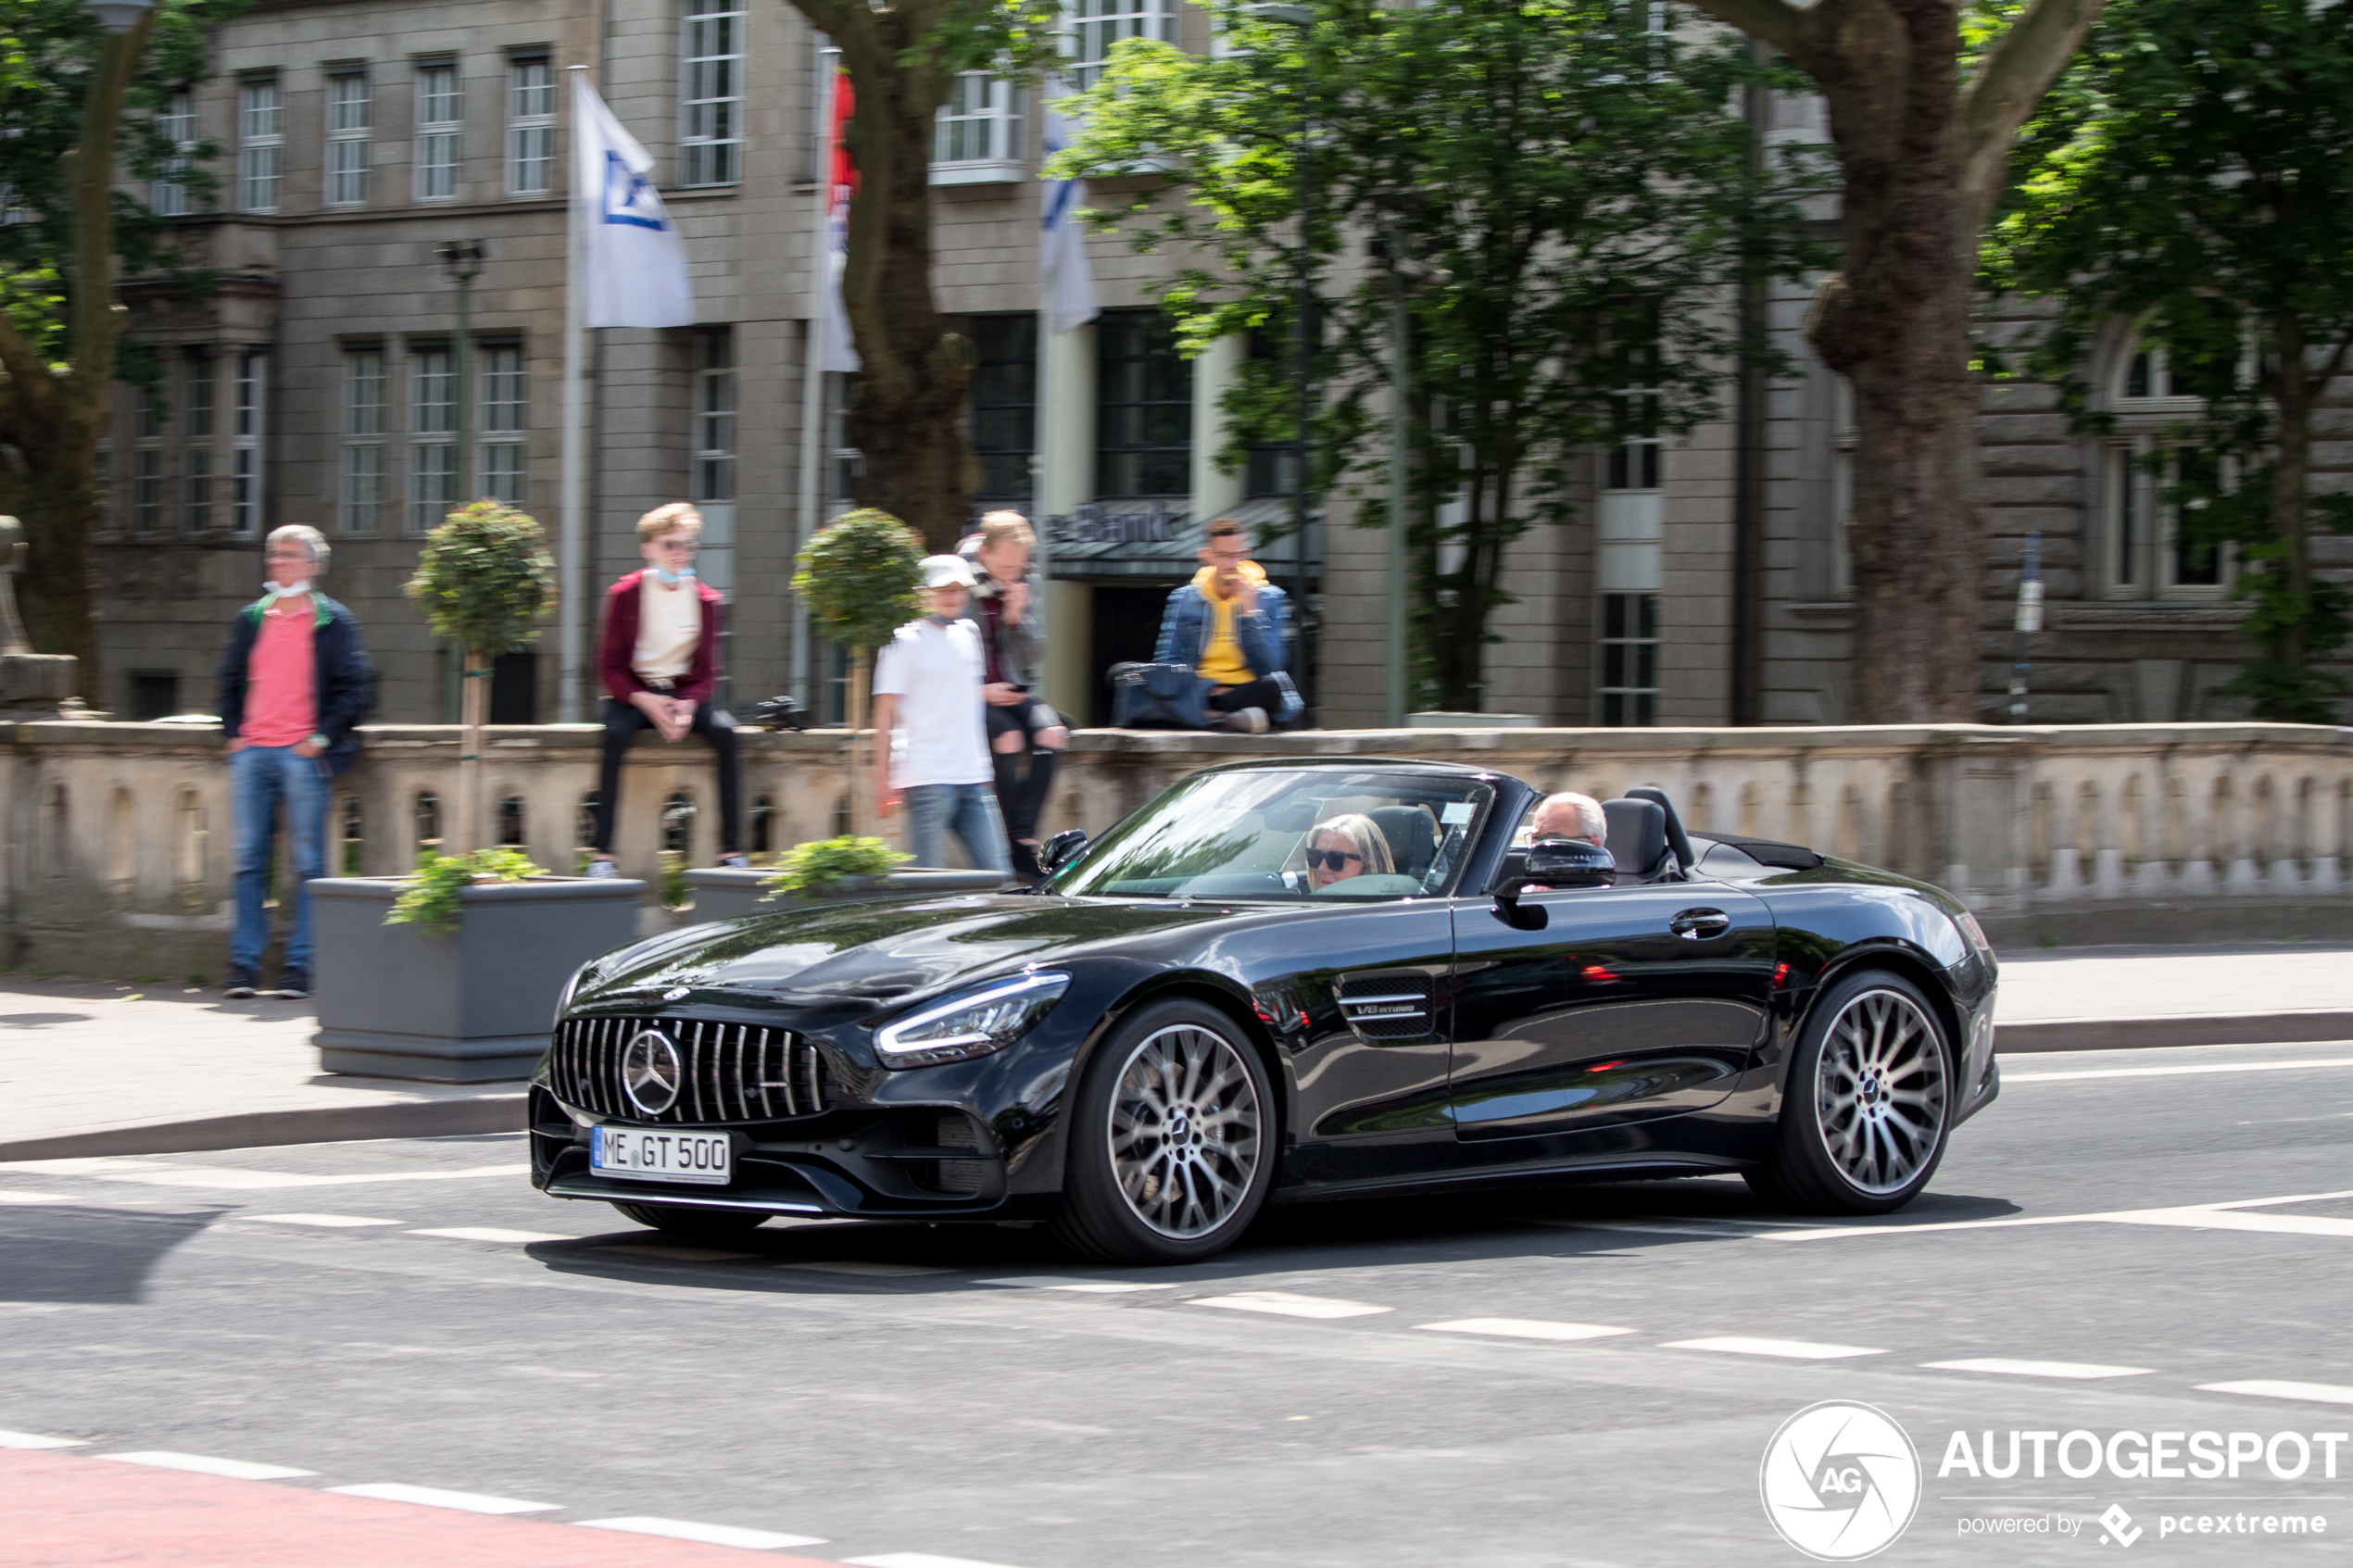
x=118, y=843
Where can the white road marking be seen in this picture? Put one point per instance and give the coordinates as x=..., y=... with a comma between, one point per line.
x=36, y=1440
x=433, y=1497
x=1524, y=1328
x=332, y=1222
x=228, y=1178
x=1282, y=1303
x=1663, y=1225
x=917, y=1560
x=492, y=1233
x=205, y=1464
x=2273, y=1388
x=710, y=1534
x=33, y=1198
x=2038, y=1369
x=1792, y=1350
x=855, y=1266
x=2207, y=1216
x=1059, y=1282
x=2009, y=1078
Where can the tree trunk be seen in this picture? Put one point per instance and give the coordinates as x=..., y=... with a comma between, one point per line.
x=909, y=399
x=464, y=833
x=56, y=499
x=861, y=810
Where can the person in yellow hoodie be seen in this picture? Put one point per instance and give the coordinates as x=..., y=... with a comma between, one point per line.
x=1233, y=627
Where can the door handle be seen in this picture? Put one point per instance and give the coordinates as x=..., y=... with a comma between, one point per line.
x=1698, y=925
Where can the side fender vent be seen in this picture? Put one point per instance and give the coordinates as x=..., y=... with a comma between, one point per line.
x=1387, y=1007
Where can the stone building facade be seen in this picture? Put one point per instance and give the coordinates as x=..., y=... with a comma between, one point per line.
x=315, y=379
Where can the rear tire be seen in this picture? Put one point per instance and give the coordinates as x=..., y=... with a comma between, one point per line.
x=1869, y=1104
x=693, y=1224
x=1171, y=1139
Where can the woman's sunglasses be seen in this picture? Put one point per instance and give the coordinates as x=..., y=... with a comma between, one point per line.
x=1330, y=860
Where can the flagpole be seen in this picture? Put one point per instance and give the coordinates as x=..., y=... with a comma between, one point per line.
x=572, y=526
x=815, y=352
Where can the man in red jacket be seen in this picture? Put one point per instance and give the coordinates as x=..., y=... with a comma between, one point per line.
x=658, y=656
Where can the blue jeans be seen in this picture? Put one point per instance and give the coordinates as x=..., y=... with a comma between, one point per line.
x=259, y=778
x=969, y=812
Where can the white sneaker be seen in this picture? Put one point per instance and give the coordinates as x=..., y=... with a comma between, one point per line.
x=602, y=868
x=1248, y=721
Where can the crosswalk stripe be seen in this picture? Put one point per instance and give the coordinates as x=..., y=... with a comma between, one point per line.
x=1282, y=1303
x=433, y=1497
x=205, y=1464
x=2038, y=1369
x=1524, y=1328
x=1792, y=1350
x=2275, y=1388
x=709, y=1534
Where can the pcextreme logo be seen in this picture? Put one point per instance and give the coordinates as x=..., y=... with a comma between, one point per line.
x=1840, y=1481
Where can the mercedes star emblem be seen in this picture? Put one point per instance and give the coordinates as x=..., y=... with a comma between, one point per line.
x=650, y=1071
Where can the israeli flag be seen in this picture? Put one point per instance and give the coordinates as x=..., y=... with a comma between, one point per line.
x=1066, y=279
x=633, y=260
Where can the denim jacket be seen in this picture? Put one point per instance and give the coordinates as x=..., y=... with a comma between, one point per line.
x=1263, y=636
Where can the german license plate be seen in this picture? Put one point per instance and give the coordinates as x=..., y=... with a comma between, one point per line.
x=641, y=1156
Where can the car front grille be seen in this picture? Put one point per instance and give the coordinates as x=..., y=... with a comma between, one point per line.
x=734, y=1072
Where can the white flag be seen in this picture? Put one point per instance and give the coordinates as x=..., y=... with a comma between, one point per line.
x=841, y=186
x=1066, y=279
x=633, y=261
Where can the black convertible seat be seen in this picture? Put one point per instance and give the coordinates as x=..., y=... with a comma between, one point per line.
x=1638, y=839
x=1413, y=837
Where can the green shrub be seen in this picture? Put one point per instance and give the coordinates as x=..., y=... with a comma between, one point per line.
x=825, y=865
x=483, y=579
x=431, y=902
x=858, y=575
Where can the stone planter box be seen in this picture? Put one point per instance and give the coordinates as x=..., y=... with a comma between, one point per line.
x=725, y=895
x=473, y=1006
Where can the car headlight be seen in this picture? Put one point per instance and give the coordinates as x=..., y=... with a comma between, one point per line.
x=973, y=1024
x=1974, y=932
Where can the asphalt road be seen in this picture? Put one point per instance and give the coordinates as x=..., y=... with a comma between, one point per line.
x=906, y=1395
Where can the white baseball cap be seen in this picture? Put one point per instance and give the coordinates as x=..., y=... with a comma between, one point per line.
x=946, y=571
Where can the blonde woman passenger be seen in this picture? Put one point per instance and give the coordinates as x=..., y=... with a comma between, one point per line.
x=1345, y=847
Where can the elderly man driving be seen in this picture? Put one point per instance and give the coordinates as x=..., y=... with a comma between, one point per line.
x=1570, y=815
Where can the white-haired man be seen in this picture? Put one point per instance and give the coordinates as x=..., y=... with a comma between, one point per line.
x=1570, y=815
x=294, y=683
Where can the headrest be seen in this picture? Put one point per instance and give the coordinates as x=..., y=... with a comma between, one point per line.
x=1413, y=837
x=1637, y=837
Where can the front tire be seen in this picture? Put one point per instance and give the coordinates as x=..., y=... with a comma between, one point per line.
x=1869, y=1104
x=1172, y=1140
x=694, y=1225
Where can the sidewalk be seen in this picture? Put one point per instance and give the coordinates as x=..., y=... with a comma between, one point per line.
x=89, y=1068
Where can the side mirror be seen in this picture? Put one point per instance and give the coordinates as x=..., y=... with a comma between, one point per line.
x=1061, y=849
x=1552, y=863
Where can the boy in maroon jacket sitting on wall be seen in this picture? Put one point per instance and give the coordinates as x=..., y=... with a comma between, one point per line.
x=657, y=656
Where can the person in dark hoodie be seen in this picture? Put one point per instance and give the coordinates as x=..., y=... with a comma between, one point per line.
x=1007, y=609
x=294, y=683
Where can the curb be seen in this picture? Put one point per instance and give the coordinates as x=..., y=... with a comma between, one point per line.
x=2190, y=1029
x=500, y=1112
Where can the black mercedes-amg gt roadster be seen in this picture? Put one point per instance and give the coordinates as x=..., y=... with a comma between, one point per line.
x=1284, y=979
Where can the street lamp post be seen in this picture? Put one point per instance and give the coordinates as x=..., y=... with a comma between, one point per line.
x=462, y=259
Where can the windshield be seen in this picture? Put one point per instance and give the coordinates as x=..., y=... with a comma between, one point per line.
x=1286, y=833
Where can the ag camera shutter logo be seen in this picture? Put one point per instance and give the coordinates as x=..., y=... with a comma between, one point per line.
x=1840, y=1481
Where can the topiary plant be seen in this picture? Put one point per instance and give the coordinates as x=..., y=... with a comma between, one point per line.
x=858, y=576
x=483, y=581
x=431, y=901
x=825, y=865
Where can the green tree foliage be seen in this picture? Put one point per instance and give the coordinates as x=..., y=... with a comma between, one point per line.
x=1580, y=187
x=483, y=579
x=858, y=575
x=2193, y=173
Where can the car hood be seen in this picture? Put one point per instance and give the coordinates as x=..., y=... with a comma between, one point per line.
x=883, y=952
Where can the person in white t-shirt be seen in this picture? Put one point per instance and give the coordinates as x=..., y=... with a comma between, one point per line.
x=931, y=735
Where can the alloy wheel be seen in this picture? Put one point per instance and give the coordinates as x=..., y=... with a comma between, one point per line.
x=1186, y=1134
x=1879, y=1090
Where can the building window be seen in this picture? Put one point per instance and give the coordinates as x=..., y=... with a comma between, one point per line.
x=712, y=96
x=2150, y=552
x=440, y=131
x=247, y=395
x=195, y=459
x=433, y=436
x=978, y=136
x=530, y=127
x=155, y=693
x=360, y=503
x=262, y=135
x=1633, y=458
x=506, y=410
x=1096, y=25
x=168, y=197
x=351, y=116
x=1004, y=404
x=845, y=465
x=1629, y=659
x=714, y=462
x=148, y=422
x=1144, y=408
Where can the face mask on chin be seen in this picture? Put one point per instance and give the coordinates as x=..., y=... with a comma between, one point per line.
x=670, y=579
x=272, y=590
